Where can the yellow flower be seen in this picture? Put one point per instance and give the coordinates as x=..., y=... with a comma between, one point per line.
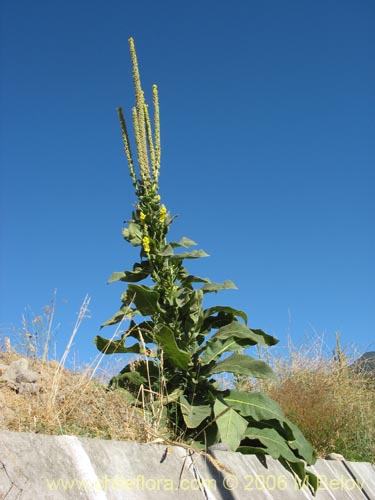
x=146, y=244
x=157, y=197
x=142, y=217
x=163, y=213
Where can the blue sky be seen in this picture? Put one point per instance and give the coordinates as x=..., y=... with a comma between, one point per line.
x=268, y=154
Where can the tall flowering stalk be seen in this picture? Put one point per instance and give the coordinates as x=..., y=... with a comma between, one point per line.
x=183, y=345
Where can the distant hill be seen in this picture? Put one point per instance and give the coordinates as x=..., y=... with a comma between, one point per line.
x=366, y=364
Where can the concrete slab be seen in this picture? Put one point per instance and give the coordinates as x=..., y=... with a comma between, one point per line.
x=65, y=467
x=335, y=481
x=364, y=474
x=31, y=461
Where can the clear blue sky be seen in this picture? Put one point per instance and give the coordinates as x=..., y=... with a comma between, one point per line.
x=268, y=156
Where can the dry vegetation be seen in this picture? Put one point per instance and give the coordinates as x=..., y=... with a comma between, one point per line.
x=332, y=405
x=69, y=403
x=65, y=402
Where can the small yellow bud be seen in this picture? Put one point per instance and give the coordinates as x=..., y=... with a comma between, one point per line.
x=146, y=244
x=157, y=197
x=142, y=217
x=163, y=213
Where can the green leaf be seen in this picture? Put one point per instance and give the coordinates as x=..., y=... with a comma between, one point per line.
x=128, y=396
x=214, y=287
x=300, y=444
x=117, y=346
x=241, y=364
x=268, y=339
x=229, y=310
x=184, y=242
x=134, y=377
x=167, y=252
x=306, y=478
x=190, y=313
x=166, y=340
x=213, y=350
x=133, y=234
x=146, y=371
x=239, y=330
x=274, y=444
x=194, y=414
x=173, y=397
x=195, y=254
x=193, y=279
x=255, y=405
x=145, y=299
x=140, y=272
x=230, y=424
x=119, y=316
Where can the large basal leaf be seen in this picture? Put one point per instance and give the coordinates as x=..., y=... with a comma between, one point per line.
x=194, y=414
x=301, y=476
x=140, y=272
x=117, y=346
x=305, y=477
x=230, y=424
x=145, y=299
x=274, y=444
x=255, y=405
x=303, y=447
x=166, y=341
x=215, y=287
x=239, y=330
x=241, y=364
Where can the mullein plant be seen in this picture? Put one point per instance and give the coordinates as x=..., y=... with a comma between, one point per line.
x=181, y=345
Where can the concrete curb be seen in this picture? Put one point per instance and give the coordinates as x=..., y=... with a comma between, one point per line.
x=65, y=467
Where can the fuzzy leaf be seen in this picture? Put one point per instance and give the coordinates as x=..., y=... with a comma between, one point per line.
x=166, y=340
x=239, y=330
x=194, y=414
x=255, y=405
x=140, y=272
x=268, y=339
x=119, y=316
x=241, y=364
x=213, y=350
x=274, y=445
x=195, y=254
x=167, y=252
x=117, y=346
x=300, y=444
x=133, y=234
x=230, y=424
x=214, y=287
x=229, y=310
x=145, y=299
x=184, y=242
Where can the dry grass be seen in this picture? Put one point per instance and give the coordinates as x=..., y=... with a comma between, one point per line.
x=76, y=405
x=66, y=402
x=332, y=405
